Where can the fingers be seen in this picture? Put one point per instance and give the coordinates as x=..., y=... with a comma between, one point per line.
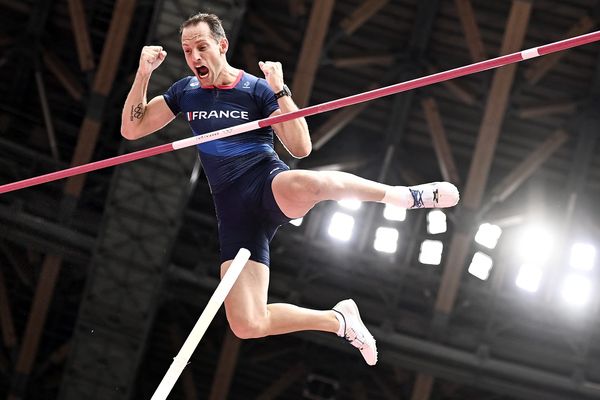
x=270, y=67
x=153, y=53
x=273, y=74
x=151, y=57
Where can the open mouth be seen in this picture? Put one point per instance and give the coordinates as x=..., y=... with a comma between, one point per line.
x=202, y=71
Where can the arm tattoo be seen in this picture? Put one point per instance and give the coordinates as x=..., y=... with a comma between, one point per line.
x=137, y=112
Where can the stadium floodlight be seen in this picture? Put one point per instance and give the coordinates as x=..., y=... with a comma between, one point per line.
x=488, y=234
x=576, y=289
x=583, y=256
x=297, y=221
x=529, y=277
x=341, y=226
x=350, y=204
x=386, y=240
x=436, y=222
x=536, y=244
x=481, y=265
x=431, y=252
x=393, y=213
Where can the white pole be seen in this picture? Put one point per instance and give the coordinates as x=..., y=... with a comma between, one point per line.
x=218, y=297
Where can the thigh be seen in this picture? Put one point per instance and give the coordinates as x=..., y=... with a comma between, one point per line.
x=296, y=191
x=247, y=218
x=248, y=297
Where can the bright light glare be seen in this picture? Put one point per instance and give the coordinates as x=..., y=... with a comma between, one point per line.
x=350, y=204
x=436, y=222
x=393, y=213
x=481, y=265
x=386, y=240
x=529, y=277
x=536, y=245
x=576, y=290
x=431, y=252
x=583, y=256
x=341, y=226
x=488, y=235
x=297, y=221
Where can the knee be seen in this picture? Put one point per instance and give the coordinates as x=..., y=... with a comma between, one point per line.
x=246, y=328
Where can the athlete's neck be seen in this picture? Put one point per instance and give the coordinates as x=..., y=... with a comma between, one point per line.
x=227, y=76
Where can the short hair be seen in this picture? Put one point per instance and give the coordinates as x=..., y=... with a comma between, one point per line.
x=214, y=24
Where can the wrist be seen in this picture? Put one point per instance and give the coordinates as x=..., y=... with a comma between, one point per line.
x=284, y=91
x=143, y=74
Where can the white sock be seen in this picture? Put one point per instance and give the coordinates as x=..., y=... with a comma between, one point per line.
x=398, y=196
x=342, y=329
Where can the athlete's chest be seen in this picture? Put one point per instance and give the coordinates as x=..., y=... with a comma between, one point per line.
x=218, y=107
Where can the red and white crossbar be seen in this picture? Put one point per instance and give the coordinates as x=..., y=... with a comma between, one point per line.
x=312, y=110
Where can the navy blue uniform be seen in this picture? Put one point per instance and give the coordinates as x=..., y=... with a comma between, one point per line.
x=239, y=168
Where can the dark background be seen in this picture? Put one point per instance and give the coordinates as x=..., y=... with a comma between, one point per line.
x=101, y=279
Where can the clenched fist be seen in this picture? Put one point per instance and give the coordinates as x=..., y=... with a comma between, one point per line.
x=273, y=74
x=151, y=58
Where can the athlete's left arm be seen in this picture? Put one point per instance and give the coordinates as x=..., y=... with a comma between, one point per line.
x=293, y=134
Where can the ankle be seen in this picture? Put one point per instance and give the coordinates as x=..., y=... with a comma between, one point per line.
x=341, y=331
x=398, y=196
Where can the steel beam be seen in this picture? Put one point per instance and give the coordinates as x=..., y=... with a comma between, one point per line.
x=82, y=35
x=52, y=263
x=273, y=35
x=46, y=112
x=541, y=67
x=471, y=30
x=525, y=169
x=482, y=159
x=63, y=75
x=361, y=15
x=187, y=376
x=7, y=324
x=251, y=59
x=289, y=377
x=35, y=323
x=364, y=60
x=225, y=367
x=332, y=126
x=544, y=110
x=423, y=387
x=103, y=82
x=310, y=54
x=459, y=91
x=440, y=141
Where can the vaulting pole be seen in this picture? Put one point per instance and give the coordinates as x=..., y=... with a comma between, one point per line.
x=192, y=341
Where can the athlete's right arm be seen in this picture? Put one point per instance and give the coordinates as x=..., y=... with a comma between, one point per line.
x=139, y=117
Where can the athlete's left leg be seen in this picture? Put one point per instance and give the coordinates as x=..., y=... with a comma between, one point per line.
x=297, y=191
x=250, y=316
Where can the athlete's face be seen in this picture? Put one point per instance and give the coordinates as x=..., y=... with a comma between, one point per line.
x=204, y=55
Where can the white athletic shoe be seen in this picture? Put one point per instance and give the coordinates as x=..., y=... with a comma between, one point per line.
x=355, y=331
x=434, y=195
